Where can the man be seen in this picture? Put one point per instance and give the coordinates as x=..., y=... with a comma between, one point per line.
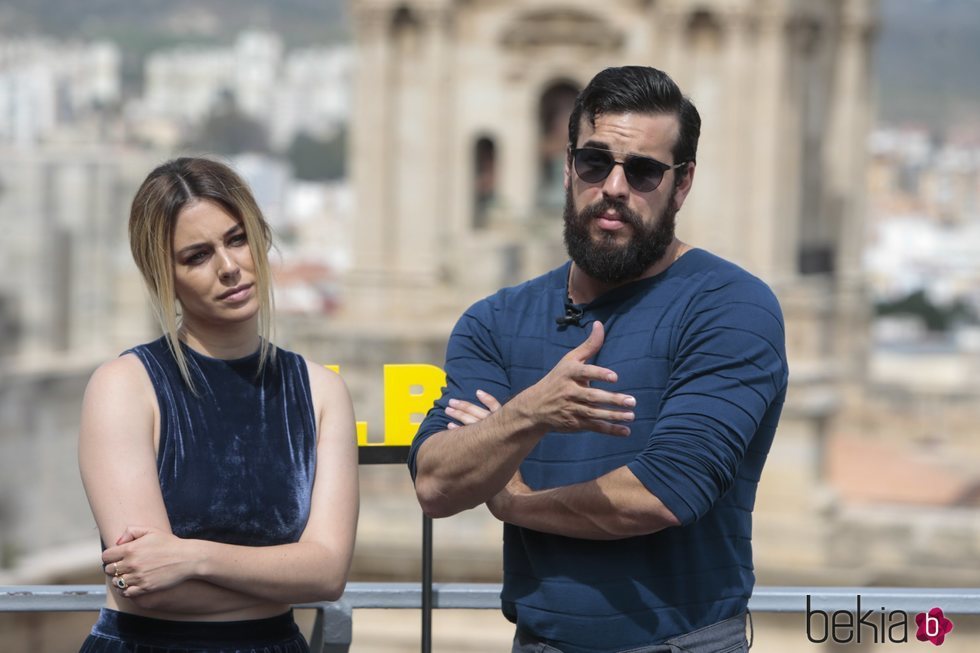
x=643, y=382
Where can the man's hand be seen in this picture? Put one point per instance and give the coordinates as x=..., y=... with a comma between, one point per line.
x=468, y=467
x=564, y=401
x=466, y=413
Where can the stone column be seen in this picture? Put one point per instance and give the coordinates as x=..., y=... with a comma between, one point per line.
x=706, y=217
x=671, y=34
x=767, y=245
x=410, y=214
x=739, y=176
x=525, y=74
x=430, y=227
x=791, y=170
x=400, y=156
x=370, y=162
x=846, y=165
x=849, y=126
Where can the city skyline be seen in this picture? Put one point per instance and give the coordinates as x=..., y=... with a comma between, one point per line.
x=79, y=128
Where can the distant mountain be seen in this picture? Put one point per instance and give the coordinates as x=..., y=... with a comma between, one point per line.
x=300, y=21
x=927, y=63
x=142, y=26
x=926, y=56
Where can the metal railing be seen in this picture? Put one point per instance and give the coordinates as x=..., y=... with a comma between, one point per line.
x=333, y=625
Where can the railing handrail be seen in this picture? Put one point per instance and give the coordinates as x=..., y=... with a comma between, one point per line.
x=780, y=599
x=333, y=627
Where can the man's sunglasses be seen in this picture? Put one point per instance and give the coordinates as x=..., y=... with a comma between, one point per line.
x=643, y=174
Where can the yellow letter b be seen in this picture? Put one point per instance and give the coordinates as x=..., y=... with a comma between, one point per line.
x=410, y=391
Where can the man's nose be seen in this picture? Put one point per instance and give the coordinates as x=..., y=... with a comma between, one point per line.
x=615, y=185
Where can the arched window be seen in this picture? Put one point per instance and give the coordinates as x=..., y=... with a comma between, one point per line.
x=405, y=28
x=704, y=32
x=484, y=181
x=554, y=108
x=817, y=218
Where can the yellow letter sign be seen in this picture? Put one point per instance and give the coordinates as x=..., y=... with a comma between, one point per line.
x=409, y=392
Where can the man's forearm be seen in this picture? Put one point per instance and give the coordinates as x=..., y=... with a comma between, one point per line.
x=465, y=467
x=611, y=507
x=461, y=468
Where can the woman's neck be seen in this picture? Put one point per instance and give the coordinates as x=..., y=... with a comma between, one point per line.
x=225, y=341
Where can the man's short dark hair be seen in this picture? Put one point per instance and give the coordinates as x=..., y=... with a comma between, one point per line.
x=639, y=89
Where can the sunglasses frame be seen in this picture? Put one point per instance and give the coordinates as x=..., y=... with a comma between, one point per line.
x=626, y=160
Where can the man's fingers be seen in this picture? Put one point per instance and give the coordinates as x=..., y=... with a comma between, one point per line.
x=596, y=373
x=465, y=411
x=609, y=415
x=462, y=416
x=608, y=428
x=599, y=397
x=488, y=400
x=592, y=344
x=468, y=413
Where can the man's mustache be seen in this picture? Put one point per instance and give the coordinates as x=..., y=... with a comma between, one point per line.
x=626, y=214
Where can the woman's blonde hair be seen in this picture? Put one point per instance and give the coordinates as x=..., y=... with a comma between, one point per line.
x=165, y=192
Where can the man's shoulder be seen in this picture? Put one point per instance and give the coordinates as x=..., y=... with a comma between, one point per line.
x=720, y=277
x=702, y=262
x=522, y=295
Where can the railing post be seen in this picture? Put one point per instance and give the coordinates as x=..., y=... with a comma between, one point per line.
x=333, y=628
x=426, y=584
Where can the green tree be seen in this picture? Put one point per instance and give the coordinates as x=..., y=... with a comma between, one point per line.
x=315, y=159
x=228, y=131
x=935, y=317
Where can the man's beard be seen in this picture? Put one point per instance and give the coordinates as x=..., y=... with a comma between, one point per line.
x=607, y=261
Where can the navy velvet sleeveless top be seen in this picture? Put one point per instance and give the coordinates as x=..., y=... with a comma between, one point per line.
x=236, y=461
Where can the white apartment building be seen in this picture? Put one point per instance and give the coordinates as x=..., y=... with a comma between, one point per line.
x=305, y=90
x=65, y=268
x=47, y=85
x=314, y=94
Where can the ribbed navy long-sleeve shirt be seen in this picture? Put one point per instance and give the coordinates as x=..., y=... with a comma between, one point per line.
x=701, y=347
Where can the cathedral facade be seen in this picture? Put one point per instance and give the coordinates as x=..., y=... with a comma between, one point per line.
x=459, y=132
x=460, y=127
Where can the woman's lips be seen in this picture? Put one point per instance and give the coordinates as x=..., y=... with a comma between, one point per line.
x=236, y=294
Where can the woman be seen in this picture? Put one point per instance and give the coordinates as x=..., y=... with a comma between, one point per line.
x=221, y=470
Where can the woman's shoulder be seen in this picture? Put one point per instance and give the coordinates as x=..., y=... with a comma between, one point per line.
x=329, y=393
x=127, y=367
x=318, y=373
x=323, y=378
x=121, y=379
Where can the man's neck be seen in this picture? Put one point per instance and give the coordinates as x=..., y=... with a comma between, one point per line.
x=583, y=288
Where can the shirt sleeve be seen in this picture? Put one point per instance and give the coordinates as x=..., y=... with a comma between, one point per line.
x=473, y=362
x=727, y=383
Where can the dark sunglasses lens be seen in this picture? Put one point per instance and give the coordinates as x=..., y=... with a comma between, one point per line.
x=593, y=165
x=643, y=174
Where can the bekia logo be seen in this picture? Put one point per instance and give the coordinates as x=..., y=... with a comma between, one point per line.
x=877, y=626
x=933, y=626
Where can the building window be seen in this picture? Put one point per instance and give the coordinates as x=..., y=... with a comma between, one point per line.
x=704, y=33
x=554, y=109
x=405, y=28
x=484, y=181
